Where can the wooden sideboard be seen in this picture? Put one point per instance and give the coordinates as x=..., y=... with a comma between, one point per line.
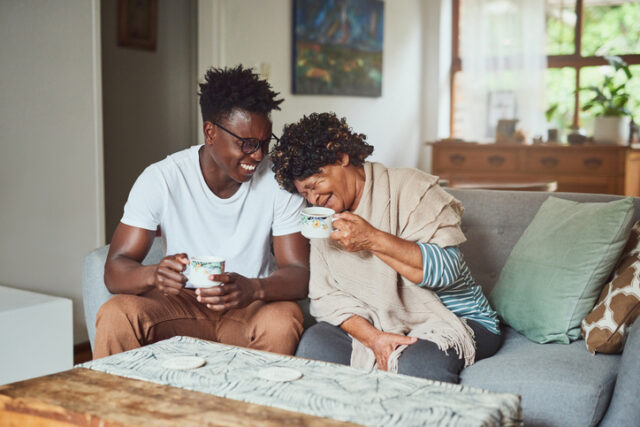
x=575, y=168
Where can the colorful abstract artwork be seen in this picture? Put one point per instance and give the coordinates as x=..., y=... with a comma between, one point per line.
x=337, y=47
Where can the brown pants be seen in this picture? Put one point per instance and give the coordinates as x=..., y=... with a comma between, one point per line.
x=126, y=322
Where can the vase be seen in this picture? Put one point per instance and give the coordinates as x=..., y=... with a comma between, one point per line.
x=611, y=130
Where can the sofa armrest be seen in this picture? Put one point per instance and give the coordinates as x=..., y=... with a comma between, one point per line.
x=624, y=405
x=94, y=291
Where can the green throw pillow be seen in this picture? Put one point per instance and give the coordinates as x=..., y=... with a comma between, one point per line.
x=556, y=270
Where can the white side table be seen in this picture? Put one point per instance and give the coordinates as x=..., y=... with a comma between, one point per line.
x=36, y=335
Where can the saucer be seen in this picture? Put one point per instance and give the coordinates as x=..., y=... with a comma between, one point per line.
x=184, y=362
x=279, y=374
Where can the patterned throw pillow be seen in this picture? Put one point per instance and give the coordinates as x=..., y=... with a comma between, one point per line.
x=605, y=328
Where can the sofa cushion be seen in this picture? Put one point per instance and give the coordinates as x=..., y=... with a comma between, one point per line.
x=605, y=329
x=556, y=270
x=560, y=385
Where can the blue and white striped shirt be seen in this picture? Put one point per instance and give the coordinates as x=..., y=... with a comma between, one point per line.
x=446, y=273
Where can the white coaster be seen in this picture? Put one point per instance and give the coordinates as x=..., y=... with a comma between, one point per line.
x=279, y=374
x=184, y=362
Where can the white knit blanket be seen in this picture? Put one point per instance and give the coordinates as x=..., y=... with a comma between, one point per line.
x=374, y=398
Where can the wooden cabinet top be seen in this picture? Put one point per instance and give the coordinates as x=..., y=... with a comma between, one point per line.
x=586, y=168
x=510, y=147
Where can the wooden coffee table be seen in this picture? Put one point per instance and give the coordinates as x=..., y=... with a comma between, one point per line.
x=137, y=388
x=84, y=397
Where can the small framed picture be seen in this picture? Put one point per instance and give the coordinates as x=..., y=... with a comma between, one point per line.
x=137, y=23
x=502, y=104
x=506, y=131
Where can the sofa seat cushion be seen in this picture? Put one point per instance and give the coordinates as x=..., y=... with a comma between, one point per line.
x=560, y=384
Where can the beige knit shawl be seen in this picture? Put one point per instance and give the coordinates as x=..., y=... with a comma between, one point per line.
x=407, y=203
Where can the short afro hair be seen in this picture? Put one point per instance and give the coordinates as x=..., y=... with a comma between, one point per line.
x=226, y=89
x=315, y=141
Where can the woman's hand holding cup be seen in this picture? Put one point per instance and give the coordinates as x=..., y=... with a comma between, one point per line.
x=353, y=233
x=168, y=277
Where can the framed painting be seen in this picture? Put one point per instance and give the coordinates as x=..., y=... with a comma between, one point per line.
x=337, y=47
x=137, y=23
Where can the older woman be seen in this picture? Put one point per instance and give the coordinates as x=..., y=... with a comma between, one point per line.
x=390, y=288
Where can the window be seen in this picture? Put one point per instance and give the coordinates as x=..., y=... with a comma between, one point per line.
x=579, y=34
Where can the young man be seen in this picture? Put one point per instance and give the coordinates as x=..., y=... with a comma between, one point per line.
x=219, y=199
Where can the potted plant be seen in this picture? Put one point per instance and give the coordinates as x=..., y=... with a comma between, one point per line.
x=609, y=105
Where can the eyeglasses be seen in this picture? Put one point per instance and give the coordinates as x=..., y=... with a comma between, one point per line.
x=250, y=145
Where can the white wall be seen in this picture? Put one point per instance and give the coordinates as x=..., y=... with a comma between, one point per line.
x=436, y=33
x=150, y=98
x=255, y=32
x=51, y=198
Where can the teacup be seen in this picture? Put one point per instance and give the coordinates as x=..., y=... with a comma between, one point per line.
x=317, y=222
x=201, y=267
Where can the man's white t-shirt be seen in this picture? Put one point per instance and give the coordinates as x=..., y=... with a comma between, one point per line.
x=173, y=194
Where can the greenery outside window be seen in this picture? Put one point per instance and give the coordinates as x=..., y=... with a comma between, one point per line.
x=580, y=33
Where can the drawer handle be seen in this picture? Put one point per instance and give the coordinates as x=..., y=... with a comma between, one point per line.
x=549, y=162
x=592, y=163
x=457, y=159
x=496, y=161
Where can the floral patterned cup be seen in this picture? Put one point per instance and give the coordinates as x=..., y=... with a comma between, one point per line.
x=201, y=267
x=316, y=222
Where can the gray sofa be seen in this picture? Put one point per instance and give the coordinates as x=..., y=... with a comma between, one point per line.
x=560, y=385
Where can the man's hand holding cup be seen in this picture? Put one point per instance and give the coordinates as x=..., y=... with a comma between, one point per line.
x=168, y=277
x=236, y=291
